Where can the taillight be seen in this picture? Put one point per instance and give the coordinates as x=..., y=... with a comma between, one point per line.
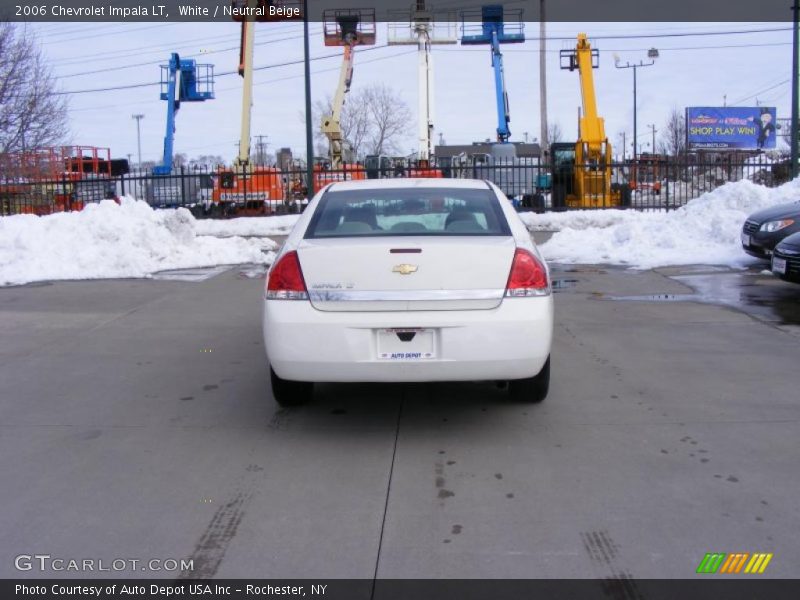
x=528, y=276
x=285, y=280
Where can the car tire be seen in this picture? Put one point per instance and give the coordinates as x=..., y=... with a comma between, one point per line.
x=290, y=393
x=533, y=389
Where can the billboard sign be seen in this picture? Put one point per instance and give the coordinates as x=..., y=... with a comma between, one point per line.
x=732, y=127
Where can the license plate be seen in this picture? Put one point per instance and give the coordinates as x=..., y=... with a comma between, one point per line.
x=778, y=265
x=406, y=344
x=745, y=240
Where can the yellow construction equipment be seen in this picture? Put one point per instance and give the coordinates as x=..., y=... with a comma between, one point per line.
x=582, y=170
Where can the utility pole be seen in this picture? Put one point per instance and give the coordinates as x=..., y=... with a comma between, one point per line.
x=624, y=147
x=652, y=54
x=653, y=128
x=261, y=146
x=543, y=75
x=795, y=75
x=138, y=118
x=309, y=132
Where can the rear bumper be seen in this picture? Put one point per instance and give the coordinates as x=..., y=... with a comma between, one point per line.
x=511, y=341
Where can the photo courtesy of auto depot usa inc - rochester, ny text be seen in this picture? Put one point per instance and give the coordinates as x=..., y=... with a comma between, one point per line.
x=156, y=590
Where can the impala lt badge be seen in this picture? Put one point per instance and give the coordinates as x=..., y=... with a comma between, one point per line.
x=404, y=269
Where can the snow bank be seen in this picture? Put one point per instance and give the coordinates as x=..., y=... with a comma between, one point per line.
x=573, y=219
x=108, y=240
x=704, y=231
x=247, y=226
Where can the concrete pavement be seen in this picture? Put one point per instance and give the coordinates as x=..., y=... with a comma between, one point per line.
x=137, y=421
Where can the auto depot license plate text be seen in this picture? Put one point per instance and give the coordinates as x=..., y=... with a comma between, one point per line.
x=406, y=344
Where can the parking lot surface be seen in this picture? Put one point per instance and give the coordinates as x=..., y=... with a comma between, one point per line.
x=138, y=422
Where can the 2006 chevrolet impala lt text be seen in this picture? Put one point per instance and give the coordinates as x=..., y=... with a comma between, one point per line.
x=408, y=280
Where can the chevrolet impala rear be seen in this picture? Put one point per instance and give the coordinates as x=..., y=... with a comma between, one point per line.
x=408, y=280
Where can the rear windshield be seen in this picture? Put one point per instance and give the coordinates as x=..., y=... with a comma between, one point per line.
x=408, y=211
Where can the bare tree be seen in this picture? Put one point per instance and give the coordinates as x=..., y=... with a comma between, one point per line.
x=374, y=120
x=207, y=160
x=673, y=138
x=390, y=118
x=554, y=133
x=354, y=121
x=32, y=114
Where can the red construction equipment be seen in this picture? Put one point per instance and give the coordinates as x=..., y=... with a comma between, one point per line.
x=54, y=179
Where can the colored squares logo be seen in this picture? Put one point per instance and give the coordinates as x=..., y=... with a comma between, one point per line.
x=738, y=562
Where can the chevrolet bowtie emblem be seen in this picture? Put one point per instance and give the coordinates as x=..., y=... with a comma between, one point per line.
x=404, y=269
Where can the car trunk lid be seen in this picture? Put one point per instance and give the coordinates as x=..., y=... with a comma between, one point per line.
x=406, y=273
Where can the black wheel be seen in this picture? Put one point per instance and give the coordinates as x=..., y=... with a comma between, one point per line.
x=558, y=197
x=625, y=195
x=290, y=393
x=534, y=389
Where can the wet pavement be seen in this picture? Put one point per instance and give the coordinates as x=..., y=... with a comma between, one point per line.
x=754, y=291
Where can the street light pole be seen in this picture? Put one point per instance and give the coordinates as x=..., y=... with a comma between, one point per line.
x=138, y=118
x=652, y=54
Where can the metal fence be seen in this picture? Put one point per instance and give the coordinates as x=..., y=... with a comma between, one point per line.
x=532, y=185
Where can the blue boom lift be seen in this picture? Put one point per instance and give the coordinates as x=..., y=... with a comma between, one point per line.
x=182, y=80
x=495, y=28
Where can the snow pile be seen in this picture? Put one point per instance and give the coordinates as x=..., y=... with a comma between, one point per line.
x=109, y=240
x=572, y=219
x=705, y=231
x=247, y=226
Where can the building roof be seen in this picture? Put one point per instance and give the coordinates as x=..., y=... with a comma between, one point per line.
x=523, y=149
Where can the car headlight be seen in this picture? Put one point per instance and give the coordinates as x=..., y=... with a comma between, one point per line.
x=773, y=226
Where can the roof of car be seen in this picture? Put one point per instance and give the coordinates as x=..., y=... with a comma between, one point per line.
x=407, y=182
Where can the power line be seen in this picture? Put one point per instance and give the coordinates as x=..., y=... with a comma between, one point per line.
x=123, y=29
x=157, y=62
x=223, y=74
x=758, y=93
x=660, y=49
x=668, y=35
x=264, y=82
x=138, y=52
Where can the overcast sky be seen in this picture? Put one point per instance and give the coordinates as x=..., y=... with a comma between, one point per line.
x=693, y=70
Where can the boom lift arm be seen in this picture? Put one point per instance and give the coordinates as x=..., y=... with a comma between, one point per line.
x=422, y=26
x=591, y=129
x=501, y=95
x=582, y=171
x=182, y=80
x=331, y=123
x=495, y=31
x=348, y=28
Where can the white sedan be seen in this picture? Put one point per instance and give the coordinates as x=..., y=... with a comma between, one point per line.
x=392, y=280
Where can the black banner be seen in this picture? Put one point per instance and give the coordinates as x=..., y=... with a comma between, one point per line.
x=392, y=10
x=703, y=588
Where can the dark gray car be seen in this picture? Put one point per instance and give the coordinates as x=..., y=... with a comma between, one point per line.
x=786, y=259
x=764, y=229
